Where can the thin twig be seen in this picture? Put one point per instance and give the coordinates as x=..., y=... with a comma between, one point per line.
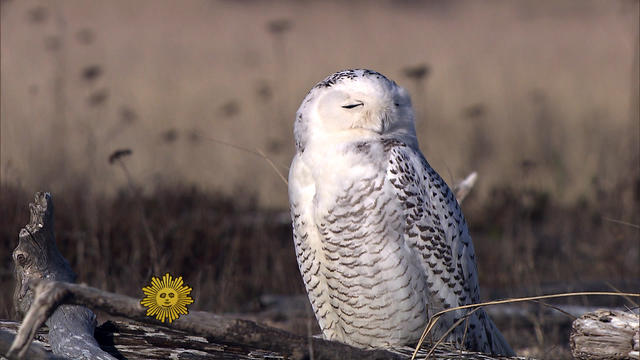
x=451, y=328
x=239, y=147
x=256, y=152
x=625, y=297
x=555, y=308
x=273, y=166
x=621, y=222
x=153, y=251
x=466, y=329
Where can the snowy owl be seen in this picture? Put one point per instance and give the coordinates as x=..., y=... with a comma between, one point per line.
x=379, y=236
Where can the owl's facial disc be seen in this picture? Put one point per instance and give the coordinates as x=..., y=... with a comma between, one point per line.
x=354, y=105
x=342, y=110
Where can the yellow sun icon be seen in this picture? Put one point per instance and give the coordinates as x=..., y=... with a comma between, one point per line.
x=167, y=298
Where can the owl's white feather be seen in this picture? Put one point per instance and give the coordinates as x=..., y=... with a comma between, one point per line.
x=380, y=238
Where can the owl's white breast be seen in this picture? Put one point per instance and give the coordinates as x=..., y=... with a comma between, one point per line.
x=322, y=173
x=334, y=166
x=367, y=286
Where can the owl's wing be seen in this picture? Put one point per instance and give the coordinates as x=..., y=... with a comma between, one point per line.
x=434, y=227
x=436, y=230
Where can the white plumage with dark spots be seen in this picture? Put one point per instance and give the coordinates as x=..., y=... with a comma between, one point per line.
x=379, y=236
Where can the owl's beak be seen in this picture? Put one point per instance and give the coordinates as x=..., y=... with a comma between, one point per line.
x=376, y=120
x=369, y=121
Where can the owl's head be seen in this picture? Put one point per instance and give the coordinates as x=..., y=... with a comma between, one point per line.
x=355, y=104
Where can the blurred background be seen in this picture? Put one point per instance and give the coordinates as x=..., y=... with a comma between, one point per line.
x=539, y=97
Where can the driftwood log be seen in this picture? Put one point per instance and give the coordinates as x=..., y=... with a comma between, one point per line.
x=606, y=334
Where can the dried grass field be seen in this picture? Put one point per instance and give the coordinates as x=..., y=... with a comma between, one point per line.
x=539, y=97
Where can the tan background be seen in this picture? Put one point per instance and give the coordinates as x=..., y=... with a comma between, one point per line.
x=552, y=83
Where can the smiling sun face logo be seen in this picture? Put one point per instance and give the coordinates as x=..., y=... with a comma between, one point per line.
x=167, y=298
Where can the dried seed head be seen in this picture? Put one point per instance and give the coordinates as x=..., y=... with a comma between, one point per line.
x=170, y=136
x=279, y=26
x=417, y=72
x=91, y=72
x=120, y=153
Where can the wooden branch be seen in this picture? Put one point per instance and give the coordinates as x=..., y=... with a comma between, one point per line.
x=606, y=334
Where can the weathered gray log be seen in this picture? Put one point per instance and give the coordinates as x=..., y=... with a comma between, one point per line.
x=37, y=257
x=606, y=334
x=133, y=341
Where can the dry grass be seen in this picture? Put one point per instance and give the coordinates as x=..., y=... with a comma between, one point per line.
x=219, y=244
x=539, y=97
x=232, y=252
x=473, y=307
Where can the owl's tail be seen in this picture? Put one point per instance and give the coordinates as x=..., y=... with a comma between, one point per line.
x=487, y=338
